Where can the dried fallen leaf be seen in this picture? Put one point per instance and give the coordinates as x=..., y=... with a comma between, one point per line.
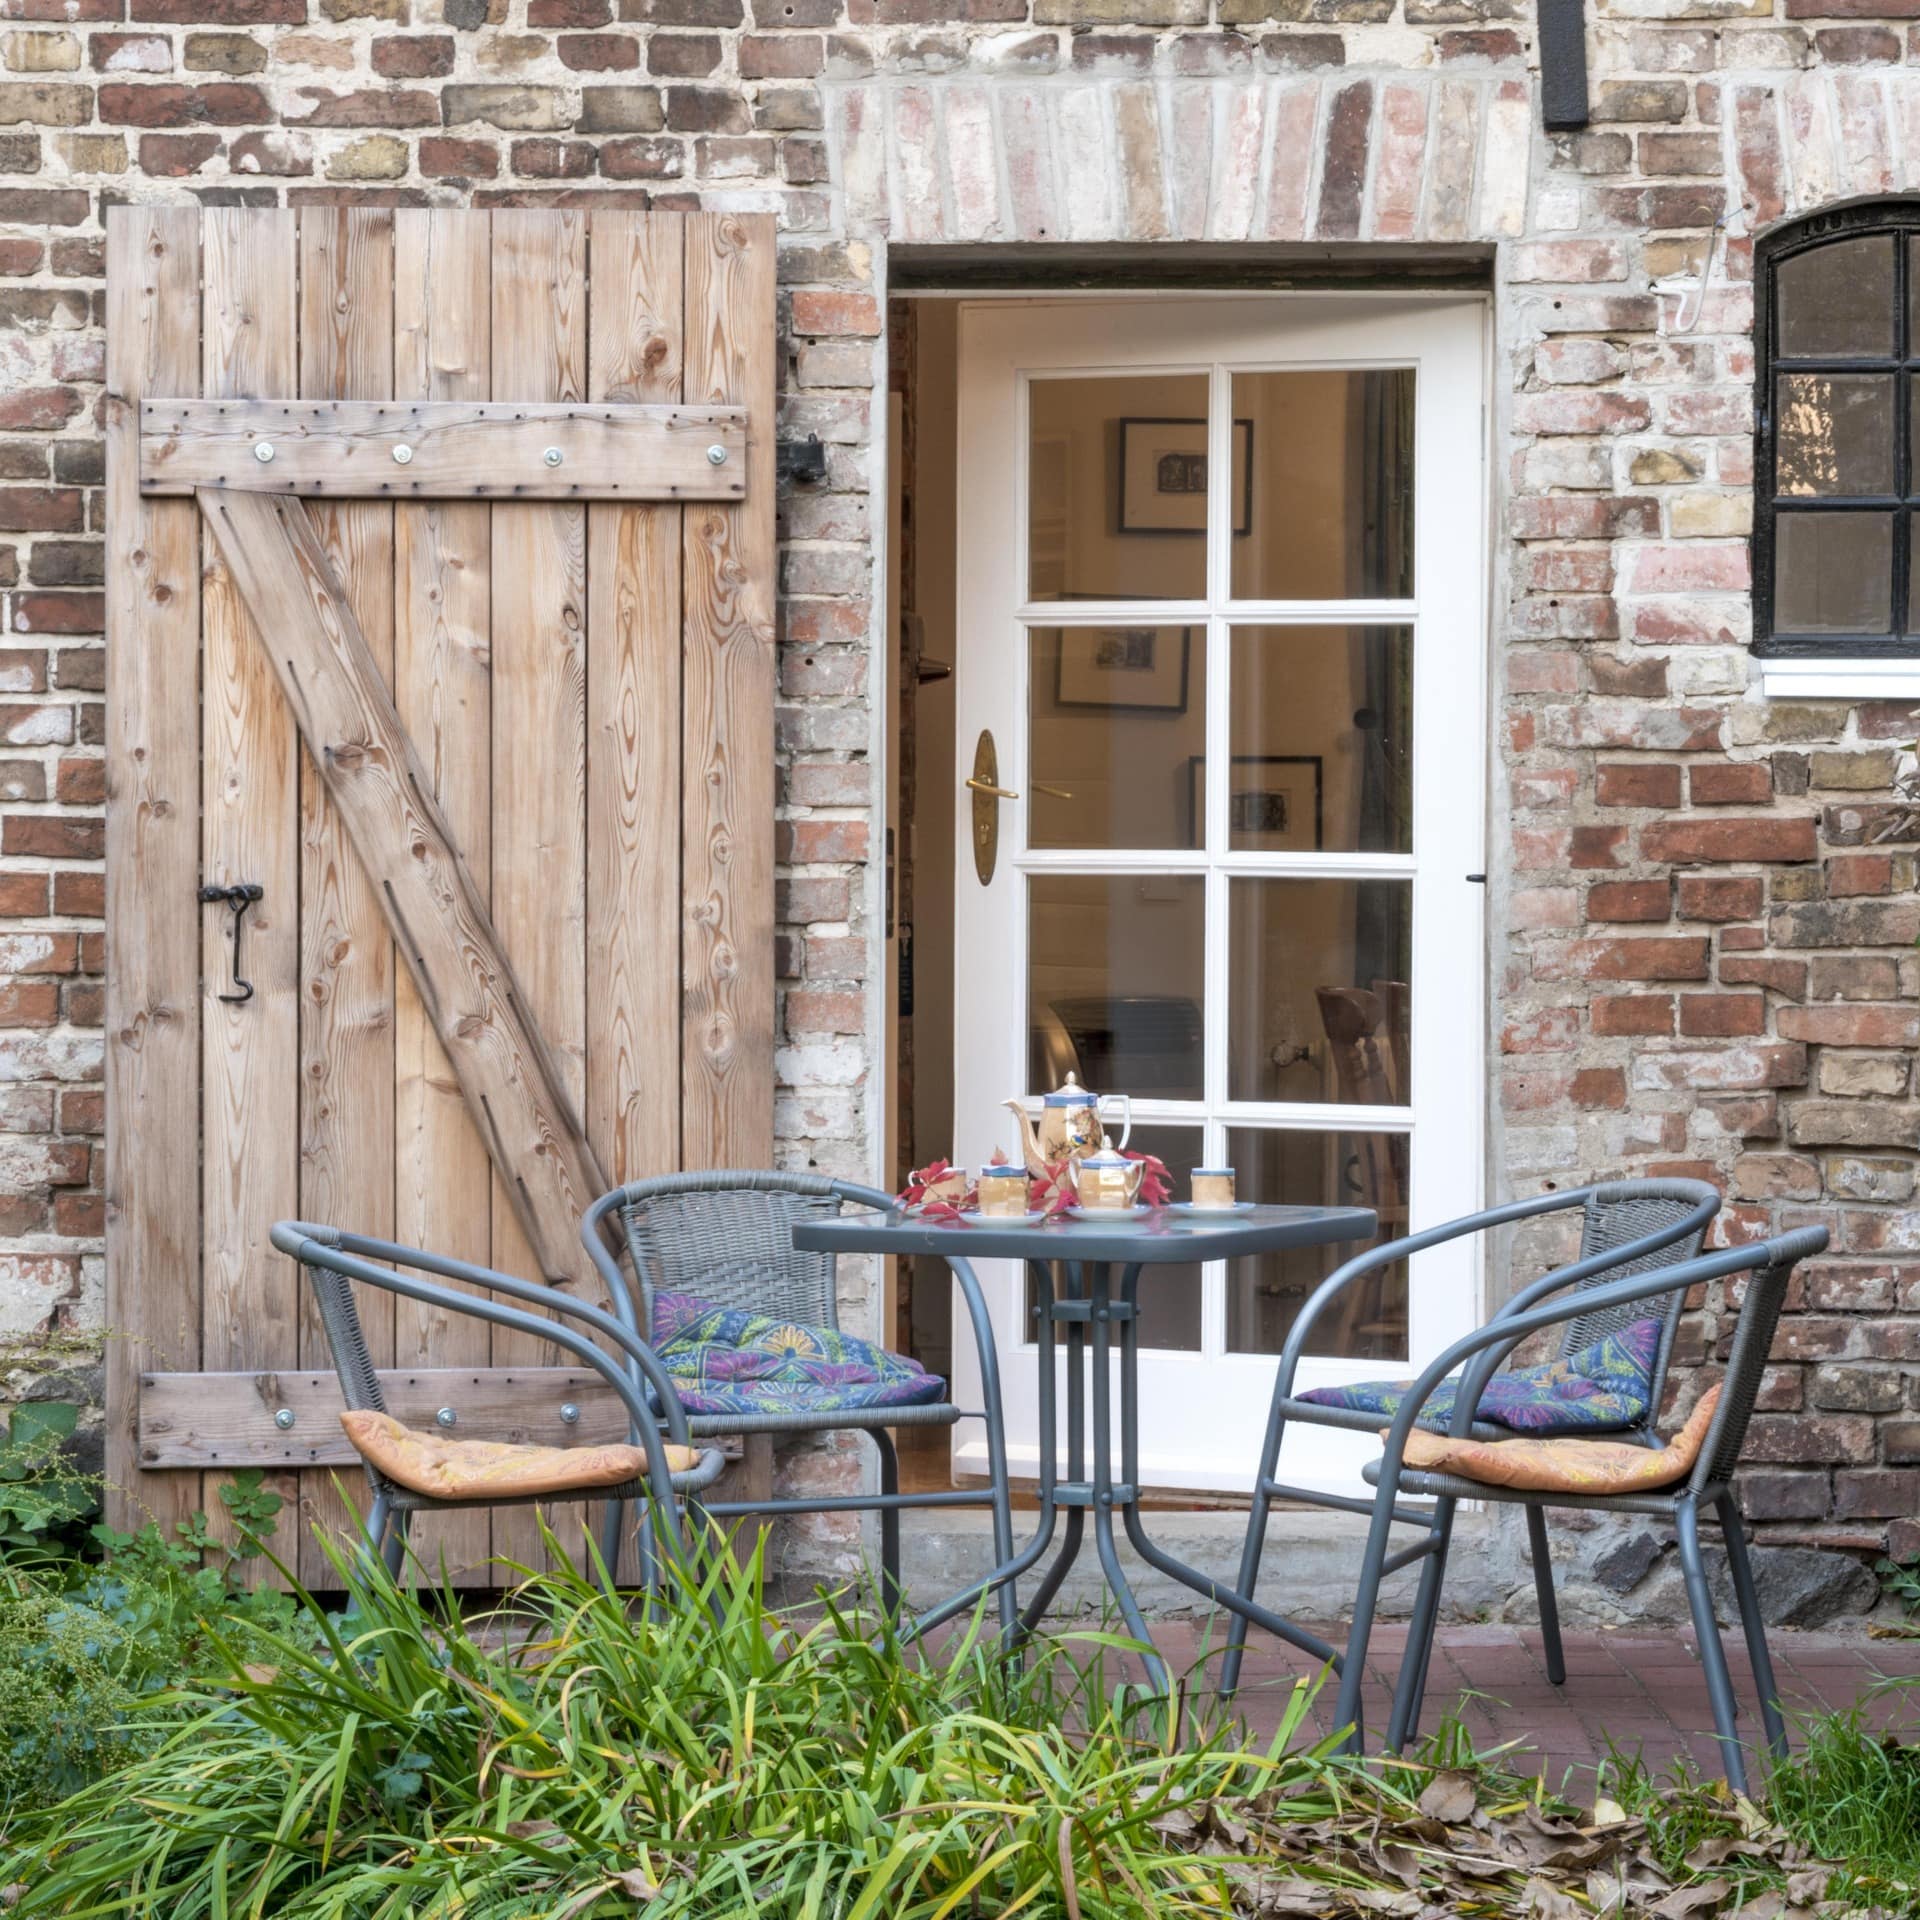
x=1606, y=1892
x=1449, y=1798
x=1708, y=1896
x=1709, y=1853
x=1543, y=1901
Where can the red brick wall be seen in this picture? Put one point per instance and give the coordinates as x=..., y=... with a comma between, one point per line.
x=1704, y=904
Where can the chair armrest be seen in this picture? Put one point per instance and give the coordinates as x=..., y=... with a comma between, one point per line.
x=867, y=1196
x=325, y=1247
x=305, y=1242
x=1374, y=1258
x=593, y=1238
x=1489, y=1345
x=981, y=1322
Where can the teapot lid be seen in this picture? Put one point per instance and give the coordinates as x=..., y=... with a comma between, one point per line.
x=1069, y=1093
x=1106, y=1157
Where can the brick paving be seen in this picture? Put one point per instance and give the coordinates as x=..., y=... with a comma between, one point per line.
x=1643, y=1690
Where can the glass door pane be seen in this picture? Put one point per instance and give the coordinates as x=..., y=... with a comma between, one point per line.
x=1117, y=487
x=1117, y=735
x=1318, y=991
x=1320, y=721
x=1298, y=1167
x=1329, y=507
x=1116, y=982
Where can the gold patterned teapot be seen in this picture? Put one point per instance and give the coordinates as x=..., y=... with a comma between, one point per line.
x=1069, y=1127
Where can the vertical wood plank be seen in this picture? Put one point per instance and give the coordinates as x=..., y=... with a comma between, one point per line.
x=442, y=685
x=633, y=723
x=728, y=772
x=250, y=831
x=153, y=855
x=633, y=726
x=539, y=352
x=346, y=954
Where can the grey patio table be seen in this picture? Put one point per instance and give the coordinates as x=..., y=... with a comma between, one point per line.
x=1088, y=1307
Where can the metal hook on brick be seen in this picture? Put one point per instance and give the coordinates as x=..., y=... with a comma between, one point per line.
x=239, y=897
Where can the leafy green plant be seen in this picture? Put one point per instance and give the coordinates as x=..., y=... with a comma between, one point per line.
x=1848, y=1796
x=42, y=1492
x=91, y=1651
x=573, y=1757
x=1854, y=1795
x=1900, y=1582
x=569, y=1758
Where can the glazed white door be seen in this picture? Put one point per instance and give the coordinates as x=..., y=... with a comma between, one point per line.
x=1245, y=725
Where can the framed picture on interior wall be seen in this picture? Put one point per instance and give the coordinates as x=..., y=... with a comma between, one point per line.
x=1144, y=668
x=1273, y=802
x=1163, y=476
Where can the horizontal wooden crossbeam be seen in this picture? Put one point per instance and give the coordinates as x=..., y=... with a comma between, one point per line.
x=282, y=1420
x=444, y=449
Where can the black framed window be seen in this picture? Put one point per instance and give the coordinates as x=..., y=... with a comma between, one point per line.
x=1836, y=541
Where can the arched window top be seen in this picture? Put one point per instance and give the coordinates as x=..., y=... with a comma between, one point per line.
x=1836, y=543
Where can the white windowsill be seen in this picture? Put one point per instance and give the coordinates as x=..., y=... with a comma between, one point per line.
x=1816, y=679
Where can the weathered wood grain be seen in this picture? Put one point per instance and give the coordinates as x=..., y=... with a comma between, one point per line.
x=250, y=831
x=153, y=855
x=633, y=723
x=633, y=726
x=569, y=687
x=727, y=776
x=226, y=1420
x=346, y=952
x=347, y=719
x=456, y=449
x=442, y=686
x=539, y=678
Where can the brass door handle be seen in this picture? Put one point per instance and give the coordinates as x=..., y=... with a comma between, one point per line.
x=984, y=784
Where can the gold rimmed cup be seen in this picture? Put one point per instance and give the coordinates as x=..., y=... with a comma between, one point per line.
x=1002, y=1190
x=1212, y=1188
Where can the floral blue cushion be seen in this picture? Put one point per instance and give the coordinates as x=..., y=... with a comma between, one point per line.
x=1605, y=1385
x=732, y=1360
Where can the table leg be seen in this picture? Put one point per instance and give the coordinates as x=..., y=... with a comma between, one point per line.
x=1148, y=1549
x=1076, y=1370
x=1105, y=1495
x=1016, y=1626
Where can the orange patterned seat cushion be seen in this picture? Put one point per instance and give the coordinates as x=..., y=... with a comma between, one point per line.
x=1567, y=1465
x=460, y=1469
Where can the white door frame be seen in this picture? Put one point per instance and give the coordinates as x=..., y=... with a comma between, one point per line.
x=1211, y=1405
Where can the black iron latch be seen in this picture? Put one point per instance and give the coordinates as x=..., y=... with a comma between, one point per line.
x=804, y=461
x=239, y=898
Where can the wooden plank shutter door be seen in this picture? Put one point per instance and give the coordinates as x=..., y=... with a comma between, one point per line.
x=579, y=693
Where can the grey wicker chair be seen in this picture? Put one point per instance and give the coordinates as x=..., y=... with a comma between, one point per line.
x=727, y=1236
x=1707, y=1489
x=331, y=1259
x=1626, y=1227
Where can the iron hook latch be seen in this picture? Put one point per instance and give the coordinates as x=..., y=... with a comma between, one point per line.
x=239, y=897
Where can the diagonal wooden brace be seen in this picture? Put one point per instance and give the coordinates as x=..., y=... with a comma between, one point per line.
x=367, y=763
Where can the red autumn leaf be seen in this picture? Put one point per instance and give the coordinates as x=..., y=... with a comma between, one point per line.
x=1156, y=1187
